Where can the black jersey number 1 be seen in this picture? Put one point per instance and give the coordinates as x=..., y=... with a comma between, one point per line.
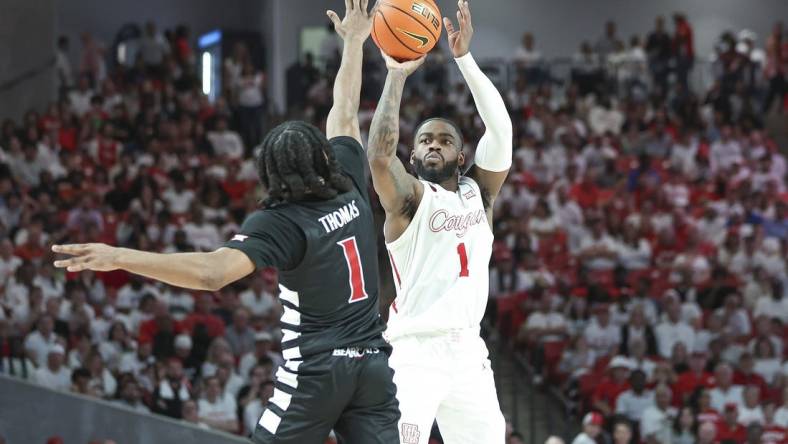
x=355, y=271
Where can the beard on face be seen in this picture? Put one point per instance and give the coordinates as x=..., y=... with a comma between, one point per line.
x=436, y=174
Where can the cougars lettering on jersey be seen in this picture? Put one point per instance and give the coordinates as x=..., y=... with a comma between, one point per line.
x=441, y=263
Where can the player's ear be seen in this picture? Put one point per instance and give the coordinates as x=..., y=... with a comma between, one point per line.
x=413, y=157
x=461, y=159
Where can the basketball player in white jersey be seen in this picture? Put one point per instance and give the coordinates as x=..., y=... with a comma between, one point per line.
x=438, y=232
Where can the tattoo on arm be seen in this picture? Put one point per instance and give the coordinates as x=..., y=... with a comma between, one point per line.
x=391, y=180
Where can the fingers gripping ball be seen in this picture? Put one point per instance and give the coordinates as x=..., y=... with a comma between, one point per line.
x=407, y=29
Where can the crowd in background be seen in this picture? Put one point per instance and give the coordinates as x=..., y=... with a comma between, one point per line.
x=640, y=239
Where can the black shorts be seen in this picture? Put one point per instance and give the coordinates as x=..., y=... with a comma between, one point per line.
x=349, y=390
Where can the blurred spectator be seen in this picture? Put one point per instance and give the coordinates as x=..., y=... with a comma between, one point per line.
x=602, y=336
x=172, y=392
x=622, y=432
x=191, y=414
x=633, y=402
x=695, y=377
x=239, y=335
x=53, y=374
x=730, y=429
x=217, y=409
x=130, y=396
x=659, y=49
x=684, y=49
x=251, y=105
x=657, y=420
x=592, y=429
x=65, y=74
x=39, y=344
x=255, y=407
x=257, y=299
x=707, y=433
x=673, y=331
x=725, y=393
x=684, y=427
x=153, y=48
x=227, y=144
x=608, y=390
x=263, y=350
x=776, y=67
x=751, y=412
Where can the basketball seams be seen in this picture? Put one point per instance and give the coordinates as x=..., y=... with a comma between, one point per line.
x=393, y=32
x=414, y=19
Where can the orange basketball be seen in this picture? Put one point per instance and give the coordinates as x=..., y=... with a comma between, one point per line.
x=407, y=29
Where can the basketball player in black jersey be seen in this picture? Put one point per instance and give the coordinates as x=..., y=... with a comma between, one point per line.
x=317, y=229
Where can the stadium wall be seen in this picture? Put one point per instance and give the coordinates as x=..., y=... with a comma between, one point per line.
x=31, y=414
x=27, y=40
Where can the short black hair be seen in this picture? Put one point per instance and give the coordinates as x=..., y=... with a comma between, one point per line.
x=444, y=120
x=296, y=159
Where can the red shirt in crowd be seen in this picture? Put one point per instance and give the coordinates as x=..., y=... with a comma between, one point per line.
x=608, y=391
x=213, y=323
x=752, y=379
x=688, y=381
x=774, y=434
x=735, y=433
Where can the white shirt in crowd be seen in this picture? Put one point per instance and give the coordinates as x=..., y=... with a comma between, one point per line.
x=724, y=154
x=772, y=308
x=769, y=369
x=252, y=413
x=226, y=144
x=250, y=93
x=59, y=380
x=658, y=423
x=204, y=237
x=583, y=439
x=781, y=416
x=539, y=320
x=636, y=257
x=720, y=397
x=39, y=346
x=599, y=263
x=224, y=409
x=80, y=101
x=260, y=304
x=633, y=405
x=603, y=340
x=8, y=267
x=748, y=416
x=178, y=203
x=668, y=334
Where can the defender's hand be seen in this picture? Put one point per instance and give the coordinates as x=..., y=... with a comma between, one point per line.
x=357, y=23
x=406, y=68
x=460, y=40
x=96, y=257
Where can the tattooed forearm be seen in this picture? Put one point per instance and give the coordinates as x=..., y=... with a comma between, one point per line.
x=384, y=131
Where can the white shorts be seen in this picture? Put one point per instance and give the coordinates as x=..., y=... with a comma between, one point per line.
x=448, y=378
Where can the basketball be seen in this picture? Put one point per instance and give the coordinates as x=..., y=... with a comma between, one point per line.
x=407, y=29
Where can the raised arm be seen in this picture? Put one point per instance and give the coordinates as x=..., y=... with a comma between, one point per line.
x=493, y=156
x=399, y=192
x=196, y=271
x=354, y=30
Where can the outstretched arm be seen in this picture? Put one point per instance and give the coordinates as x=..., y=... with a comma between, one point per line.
x=354, y=30
x=196, y=271
x=399, y=192
x=494, y=152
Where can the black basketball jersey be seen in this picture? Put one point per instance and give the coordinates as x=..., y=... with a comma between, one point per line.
x=326, y=254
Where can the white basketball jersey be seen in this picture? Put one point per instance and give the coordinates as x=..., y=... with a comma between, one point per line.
x=441, y=263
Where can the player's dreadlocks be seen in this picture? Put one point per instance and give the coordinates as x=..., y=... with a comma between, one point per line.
x=296, y=159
